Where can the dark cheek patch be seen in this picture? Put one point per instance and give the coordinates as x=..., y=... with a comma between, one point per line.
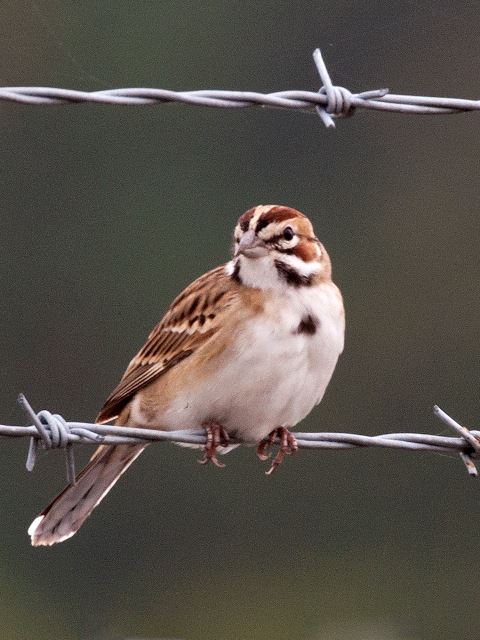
x=306, y=251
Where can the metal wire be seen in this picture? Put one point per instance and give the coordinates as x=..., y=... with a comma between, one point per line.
x=329, y=102
x=51, y=431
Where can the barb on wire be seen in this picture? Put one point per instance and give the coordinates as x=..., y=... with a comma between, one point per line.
x=329, y=102
x=51, y=431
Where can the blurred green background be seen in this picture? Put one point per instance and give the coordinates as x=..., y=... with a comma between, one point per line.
x=107, y=212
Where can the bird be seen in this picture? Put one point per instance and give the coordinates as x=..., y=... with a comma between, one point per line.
x=247, y=350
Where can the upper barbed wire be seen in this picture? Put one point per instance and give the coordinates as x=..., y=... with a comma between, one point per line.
x=329, y=102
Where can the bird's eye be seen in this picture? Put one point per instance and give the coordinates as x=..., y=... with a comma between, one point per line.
x=288, y=233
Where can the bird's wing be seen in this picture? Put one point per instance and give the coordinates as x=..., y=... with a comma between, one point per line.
x=193, y=318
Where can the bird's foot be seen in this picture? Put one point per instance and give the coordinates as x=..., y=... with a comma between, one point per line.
x=288, y=445
x=216, y=437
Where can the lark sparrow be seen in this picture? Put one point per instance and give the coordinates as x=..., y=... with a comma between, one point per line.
x=247, y=350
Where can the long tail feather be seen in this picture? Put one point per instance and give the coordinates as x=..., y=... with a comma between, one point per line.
x=69, y=510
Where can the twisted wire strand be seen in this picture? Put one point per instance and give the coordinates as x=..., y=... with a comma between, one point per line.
x=52, y=431
x=330, y=102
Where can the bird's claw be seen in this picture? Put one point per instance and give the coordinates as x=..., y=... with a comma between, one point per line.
x=216, y=437
x=288, y=445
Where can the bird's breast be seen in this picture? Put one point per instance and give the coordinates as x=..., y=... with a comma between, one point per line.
x=272, y=369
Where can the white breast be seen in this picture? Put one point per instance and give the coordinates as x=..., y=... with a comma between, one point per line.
x=272, y=375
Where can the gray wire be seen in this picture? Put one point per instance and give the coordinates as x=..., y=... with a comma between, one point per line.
x=329, y=102
x=51, y=431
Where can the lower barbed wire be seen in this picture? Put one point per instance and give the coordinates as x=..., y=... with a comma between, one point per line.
x=52, y=431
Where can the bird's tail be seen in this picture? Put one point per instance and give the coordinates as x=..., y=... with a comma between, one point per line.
x=65, y=515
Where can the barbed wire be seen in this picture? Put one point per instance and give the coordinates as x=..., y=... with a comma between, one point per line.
x=52, y=431
x=329, y=102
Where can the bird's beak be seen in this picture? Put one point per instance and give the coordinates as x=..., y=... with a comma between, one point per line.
x=251, y=246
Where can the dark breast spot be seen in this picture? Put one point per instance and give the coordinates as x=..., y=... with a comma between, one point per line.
x=308, y=325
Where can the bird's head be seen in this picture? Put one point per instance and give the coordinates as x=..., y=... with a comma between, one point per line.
x=277, y=246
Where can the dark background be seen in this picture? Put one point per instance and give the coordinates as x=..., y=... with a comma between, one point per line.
x=107, y=212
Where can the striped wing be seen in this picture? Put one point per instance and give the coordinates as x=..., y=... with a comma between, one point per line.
x=192, y=319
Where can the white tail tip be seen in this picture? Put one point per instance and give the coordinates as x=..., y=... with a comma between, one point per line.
x=42, y=540
x=34, y=526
